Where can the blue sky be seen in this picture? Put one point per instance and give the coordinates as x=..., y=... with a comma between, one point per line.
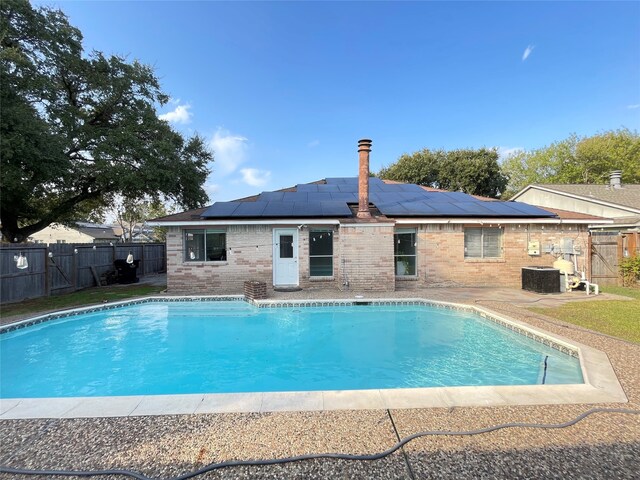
x=282, y=91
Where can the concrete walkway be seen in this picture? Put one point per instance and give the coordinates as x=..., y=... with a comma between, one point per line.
x=603, y=445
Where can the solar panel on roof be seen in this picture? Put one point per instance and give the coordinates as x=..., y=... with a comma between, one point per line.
x=460, y=196
x=347, y=188
x=450, y=197
x=328, y=188
x=344, y=196
x=531, y=210
x=382, y=197
x=294, y=197
x=220, y=209
x=307, y=187
x=305, y=209
x=410, y=188
x=502, y=208
x=394, y=209
x=271, y=196
x=342, y=180
x=474, y=208
x=250, y=209
x=278, y=209
x=337, y=209
x=331, y=199
x=448, y=208
x=318, y=196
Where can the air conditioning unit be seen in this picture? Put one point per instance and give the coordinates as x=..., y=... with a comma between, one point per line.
x=541, y=279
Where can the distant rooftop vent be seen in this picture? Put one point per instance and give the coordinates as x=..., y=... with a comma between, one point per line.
x=615, y=179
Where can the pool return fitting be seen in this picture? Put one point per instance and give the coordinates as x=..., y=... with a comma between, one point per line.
x=335, y=456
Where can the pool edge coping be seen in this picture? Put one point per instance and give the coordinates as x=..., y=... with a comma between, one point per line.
x=601, y=383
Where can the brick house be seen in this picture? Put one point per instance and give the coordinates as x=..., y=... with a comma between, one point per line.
x=364, y=234
x=611, y=241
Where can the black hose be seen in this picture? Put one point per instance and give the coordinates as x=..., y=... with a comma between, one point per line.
x=544, y=374
x=337, y=456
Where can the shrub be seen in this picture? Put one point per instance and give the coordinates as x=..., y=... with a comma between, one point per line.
x=630, y=270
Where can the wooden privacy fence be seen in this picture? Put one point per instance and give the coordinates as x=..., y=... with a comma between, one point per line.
x=607, y=251
x=63, y=268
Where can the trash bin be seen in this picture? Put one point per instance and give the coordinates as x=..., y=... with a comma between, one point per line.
x=126, y=272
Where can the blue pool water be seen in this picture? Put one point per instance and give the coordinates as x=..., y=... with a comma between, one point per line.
x=223, y=347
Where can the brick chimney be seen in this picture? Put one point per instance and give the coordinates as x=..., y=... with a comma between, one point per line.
x=364, y=147
x=615, y=179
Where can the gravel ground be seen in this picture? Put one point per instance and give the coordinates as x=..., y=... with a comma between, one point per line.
x=604, y=445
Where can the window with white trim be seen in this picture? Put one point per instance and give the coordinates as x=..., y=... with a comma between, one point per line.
x=320, y=253
x=404, y=252
x=483, y=242
x=205, y=245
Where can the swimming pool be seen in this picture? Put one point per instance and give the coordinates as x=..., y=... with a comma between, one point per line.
x=157, y=348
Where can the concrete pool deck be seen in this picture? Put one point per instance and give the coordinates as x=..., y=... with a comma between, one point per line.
x=604, y=445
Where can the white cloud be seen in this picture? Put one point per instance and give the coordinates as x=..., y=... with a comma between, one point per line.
x=229, y=151
x=313, y=143
x=180, y=114
x=632, y=107
x=527, y=52
x=255, y=177
x=212, y=189
x=505, y=152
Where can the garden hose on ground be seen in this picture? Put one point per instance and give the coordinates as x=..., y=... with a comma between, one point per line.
x=338, y=456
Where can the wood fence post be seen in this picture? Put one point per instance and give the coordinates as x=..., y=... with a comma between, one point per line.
x=47, y=282
x=589, y=254
x=620, y=258
x=74, y=268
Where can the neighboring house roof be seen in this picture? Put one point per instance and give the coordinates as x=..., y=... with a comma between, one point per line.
x=332, y=199
x=625, y=196
x=98, y=233
x=630, y=222
x=186, y=216
x=568, y=215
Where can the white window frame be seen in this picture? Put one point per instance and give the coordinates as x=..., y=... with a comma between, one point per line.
x=404, y=231
x=204, y=232
x=483, y=234
x=321, y=232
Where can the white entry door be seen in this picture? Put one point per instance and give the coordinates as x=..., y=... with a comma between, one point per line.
x=285, y=257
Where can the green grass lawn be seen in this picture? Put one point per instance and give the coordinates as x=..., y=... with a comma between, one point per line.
x=618, y=318
x=81, y=298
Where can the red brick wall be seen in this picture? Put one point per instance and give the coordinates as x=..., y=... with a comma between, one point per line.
x=441, y=254
x=366, y=258
x=250, y=258
x=363, y=256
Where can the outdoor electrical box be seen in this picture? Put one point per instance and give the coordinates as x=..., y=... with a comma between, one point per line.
x=533, y=248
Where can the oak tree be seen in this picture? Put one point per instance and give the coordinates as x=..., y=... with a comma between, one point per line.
x=580, y=160
x=475, y=172
x=77, y=129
